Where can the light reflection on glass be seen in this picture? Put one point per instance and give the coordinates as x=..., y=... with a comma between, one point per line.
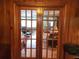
x=51, y=13
x=34, y=14
x=50, y=23
x=28, y=43
x=43, y=53
x=45, y=25
x=28, y=23
x=28, y=14
x=44, y=18
x=22, y=12
x=28, y=52
x=45, y=13
x=34, y=24
x=49, y=53
x=23, y=23
x=34, y=34
x=57, y=12
x=33, y=43
x=33, y=52
x=51, y=18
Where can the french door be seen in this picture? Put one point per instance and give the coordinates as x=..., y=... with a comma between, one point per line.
x=39, y=33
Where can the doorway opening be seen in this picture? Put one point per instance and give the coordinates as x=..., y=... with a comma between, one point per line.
x=39, y=33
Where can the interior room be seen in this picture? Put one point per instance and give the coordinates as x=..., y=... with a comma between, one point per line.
x=39, y=29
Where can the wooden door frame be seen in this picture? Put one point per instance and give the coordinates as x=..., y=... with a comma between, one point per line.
x=15, y=48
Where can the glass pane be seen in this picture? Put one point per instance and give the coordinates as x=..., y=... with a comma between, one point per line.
x=51, y=18
x=28, y=52
x=34, y=24
x=23, y=16
x=22, y=52
x=28, y=23
x=51, y=13
x=34, y=14
x=50, y=36
x=56, y=12
x=49, y=43
x=50, y=26
x=33, y=52
x=55, y=18
x=54, y=43
x=44, y=35
x=22, y=35
x=33, y=34
x=55, y=23
x=28, y=34
x=28, y=14
x=50, y=23
x=55, y=26
x=55, y=36
x=23, y=30
x=54, y=53
x=44, y=44
x=43, y=53
x=28, y=43
x=50, y=53
x=33, y=43
x=23, y=40
x=45, y=26
x=44, y=18
x=45, y=13
x=23, y=23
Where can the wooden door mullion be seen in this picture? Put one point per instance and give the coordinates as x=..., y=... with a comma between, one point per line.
x=31, y=36
x=26, y=31
x=39, y=37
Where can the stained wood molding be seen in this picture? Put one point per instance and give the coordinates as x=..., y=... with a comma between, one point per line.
x=77, y=12
x=55, y=3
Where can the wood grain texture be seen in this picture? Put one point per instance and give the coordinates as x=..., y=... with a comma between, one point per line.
x=4, y=22
x=1, y=19
x=5, y=51
x=71, y=23
x=70, y=27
